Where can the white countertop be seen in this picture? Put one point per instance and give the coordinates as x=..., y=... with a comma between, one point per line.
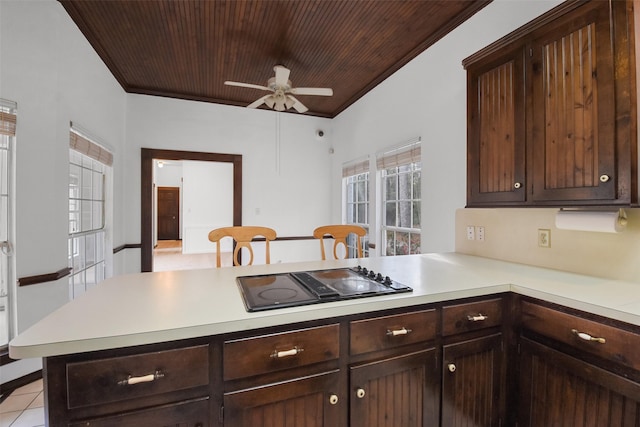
x=147, y=308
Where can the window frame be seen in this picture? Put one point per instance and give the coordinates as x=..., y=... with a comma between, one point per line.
x=350, y=186
x=87, y=251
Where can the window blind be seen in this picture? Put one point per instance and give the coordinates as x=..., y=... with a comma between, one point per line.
x=89, y=148
x=355, y=167
x=408, y=152
x=8, y=118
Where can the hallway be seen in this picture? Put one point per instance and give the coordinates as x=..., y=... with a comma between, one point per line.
x=168, y=256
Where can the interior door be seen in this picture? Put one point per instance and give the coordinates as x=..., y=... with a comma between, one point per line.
x=168, y=213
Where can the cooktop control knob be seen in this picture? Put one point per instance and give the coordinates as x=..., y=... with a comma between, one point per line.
x=387, y=281
x=359, y=268
x=379, y=278
x=365, y=271
x=372, y=275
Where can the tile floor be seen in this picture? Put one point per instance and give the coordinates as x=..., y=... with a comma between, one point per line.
x=24, y=407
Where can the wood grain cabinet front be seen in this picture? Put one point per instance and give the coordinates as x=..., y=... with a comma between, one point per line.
x=608, y=342
x=102, y=381
x=312, y=401
x=471, y=316
x=388, y=332
x=281, y=351
x=577, y=369
x=194, y=413
x=551, y=111
x=398, y=391
x=473, y=364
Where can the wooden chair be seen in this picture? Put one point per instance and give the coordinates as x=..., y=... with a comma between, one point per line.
x=339, y=232
x=243, y=235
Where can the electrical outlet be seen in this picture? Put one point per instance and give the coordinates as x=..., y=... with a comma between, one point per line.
x=471, y=232
x=544, y=237
x=480, y=233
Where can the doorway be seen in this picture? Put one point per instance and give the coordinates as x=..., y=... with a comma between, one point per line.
x=168, y=213
x=147, y=157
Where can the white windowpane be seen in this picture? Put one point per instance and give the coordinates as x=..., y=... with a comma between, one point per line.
x=86, y=222
x=402, y=209
x=356, y=188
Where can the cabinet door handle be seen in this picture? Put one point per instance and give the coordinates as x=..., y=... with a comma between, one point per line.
x=401, y=331
x=517, y=185
x=451, y=367
x=604, y=178
x=360, y=392
x=588, y=337
x=479, y=318
x=143, y=379
x=333, y=399
x=285, y=353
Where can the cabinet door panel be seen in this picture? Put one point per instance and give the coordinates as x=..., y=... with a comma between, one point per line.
x=557, y=389
x=472, y=381
x=303, y=402
x=496, y=146
x=573, y=138
x=396, y=392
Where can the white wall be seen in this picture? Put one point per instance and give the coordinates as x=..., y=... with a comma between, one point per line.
x=55, y=77
x=208, y=204
x=286, y=184
x=427, y=98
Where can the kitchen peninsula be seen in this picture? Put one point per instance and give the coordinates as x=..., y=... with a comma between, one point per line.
x=179, y=345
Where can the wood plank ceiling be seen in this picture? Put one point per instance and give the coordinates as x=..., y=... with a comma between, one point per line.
x=187, y=48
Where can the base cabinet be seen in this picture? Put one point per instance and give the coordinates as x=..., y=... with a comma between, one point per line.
x=471, y=382
x=493, y=361
x=306, y=402
x=560, y=390
x=396, y=392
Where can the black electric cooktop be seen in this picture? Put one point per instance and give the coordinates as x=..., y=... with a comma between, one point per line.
x=271, y=291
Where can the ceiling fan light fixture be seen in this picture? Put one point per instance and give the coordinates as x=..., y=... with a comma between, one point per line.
x=270, y=101
x=282, y=88
x=289, y=102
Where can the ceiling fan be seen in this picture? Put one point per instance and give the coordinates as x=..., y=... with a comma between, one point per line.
x=282, y=97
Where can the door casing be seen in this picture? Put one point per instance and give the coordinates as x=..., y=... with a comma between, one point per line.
x=146, y=192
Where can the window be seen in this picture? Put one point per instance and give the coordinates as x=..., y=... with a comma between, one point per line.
x=400, y=178
x=7, y=290
x=89, y=164
x=356, y=188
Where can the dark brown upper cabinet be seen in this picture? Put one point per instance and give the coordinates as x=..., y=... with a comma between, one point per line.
x=552, y=111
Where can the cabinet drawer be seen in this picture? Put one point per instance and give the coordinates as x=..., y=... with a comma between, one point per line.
x=590, y=336
x=471, y=316
x=184, y=414
x=270, y=353
x=122, y=378
x=387, y=332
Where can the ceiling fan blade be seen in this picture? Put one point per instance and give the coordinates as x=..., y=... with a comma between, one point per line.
x=259, y=101
x=249, y=85
x=299, y=106
x=282, y=75
x=323, y=91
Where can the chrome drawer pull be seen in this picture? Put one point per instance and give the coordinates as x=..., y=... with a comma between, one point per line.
x=144, y=379
x=279, y=354
x=588, y=337
x=395, y=332
x=479, y=318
